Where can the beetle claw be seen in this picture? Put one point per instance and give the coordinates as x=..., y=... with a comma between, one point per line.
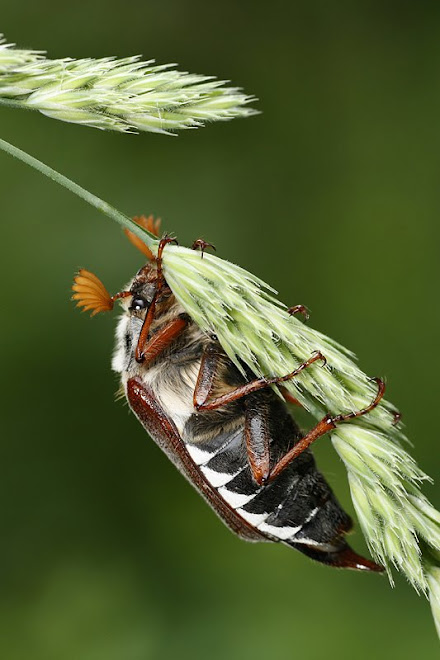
x=202, y=245
x=299, y=309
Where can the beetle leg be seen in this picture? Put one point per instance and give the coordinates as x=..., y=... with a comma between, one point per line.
x=147, y=351
x=397, y=416
x=160, y=282
x=206, y=377
x=257, y=436
x=145, y=331
x=162, y=243
x=289, y=397
x=328, y=423
x=202, y=245
x=256, y=413
x=299, y=309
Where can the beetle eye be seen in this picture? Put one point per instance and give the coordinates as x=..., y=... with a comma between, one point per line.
x=138, y=304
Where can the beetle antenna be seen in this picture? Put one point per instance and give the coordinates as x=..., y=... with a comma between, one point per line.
x=91, y=294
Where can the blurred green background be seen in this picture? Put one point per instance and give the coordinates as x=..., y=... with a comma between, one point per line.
x=332, y=195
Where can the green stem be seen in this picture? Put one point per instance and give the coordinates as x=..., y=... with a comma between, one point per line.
x=88, y=197
x=10, y=103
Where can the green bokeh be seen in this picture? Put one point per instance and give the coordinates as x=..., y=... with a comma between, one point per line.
x=332, y=195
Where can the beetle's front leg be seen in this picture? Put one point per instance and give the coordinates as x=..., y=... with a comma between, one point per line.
x=202, y=245
x=154, y=346
x=147, y=351
x=166, y=240
x=299, y=309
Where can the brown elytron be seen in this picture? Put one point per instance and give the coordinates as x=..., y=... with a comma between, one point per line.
x=230, y=435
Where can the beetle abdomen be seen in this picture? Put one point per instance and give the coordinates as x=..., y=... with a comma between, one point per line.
x=297, y=508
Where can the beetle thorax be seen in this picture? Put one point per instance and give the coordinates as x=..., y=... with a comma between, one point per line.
x=173, y=375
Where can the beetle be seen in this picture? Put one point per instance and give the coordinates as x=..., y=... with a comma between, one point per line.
x=232, y=436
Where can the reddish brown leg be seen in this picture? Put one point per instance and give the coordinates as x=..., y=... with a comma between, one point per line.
x=323, y=427
x=145, y=330
x=256, y=431
x=289, y=397
x=202, y=245
x=206, y=377
x=397, y=417
x=299, y=309
x=162, y=339
x=166, y=240
x=257, y=437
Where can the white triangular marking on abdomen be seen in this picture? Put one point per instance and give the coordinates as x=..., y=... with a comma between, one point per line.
x=254, y=518
x=235, y=499
x=199, y=456
x=280, y=532
x=218, y=479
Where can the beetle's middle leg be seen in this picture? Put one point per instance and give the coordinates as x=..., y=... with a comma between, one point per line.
x=256, y=408
x=257, y=436
x=207, y=373
x=257, y=441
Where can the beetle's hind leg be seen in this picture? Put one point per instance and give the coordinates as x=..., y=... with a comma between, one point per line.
x=328, y=423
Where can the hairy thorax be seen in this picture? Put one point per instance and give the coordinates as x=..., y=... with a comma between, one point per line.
x=172, y=377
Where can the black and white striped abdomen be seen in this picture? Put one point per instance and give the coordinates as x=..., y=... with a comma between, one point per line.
x=297, y=508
